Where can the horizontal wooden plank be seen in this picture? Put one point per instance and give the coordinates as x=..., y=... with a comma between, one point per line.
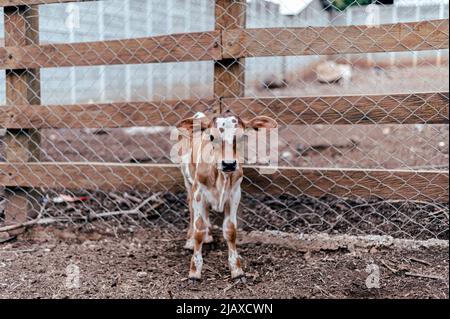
x=351, y=183
x=417, y=108
x=113, y=115
x=92, y=176
x=387, y=184
x=12, y=3
x=198, y=46
x=414, y=36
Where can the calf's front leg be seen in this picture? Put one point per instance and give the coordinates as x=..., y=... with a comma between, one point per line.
x=199, y=228
x=230, y=232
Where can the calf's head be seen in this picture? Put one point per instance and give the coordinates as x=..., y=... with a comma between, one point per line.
x=219, y=141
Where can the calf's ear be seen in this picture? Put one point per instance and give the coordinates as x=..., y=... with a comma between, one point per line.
x=187, y=126
x=261, y=122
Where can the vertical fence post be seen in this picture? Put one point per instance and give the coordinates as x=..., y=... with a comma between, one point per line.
x=22, y=88
x=229, y=74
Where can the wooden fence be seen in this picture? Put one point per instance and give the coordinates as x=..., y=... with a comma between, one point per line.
x=227, y=45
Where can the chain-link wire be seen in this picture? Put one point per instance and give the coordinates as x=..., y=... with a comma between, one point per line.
x=359, y=90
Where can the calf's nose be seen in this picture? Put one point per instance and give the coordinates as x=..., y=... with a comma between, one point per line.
x=229, y=166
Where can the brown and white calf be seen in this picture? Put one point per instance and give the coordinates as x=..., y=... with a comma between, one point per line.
x=212, y=170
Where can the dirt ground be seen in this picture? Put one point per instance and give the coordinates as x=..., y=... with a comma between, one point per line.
x=153, y=264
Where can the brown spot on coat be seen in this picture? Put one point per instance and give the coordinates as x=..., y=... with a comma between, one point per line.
x=200, y=224
x=238, y=262
x=199, y=232
x=193, y=267
x=231, y=232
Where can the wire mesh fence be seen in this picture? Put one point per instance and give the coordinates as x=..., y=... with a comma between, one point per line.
x=92, y=92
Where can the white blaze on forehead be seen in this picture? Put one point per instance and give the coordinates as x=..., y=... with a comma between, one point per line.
x=228, y=126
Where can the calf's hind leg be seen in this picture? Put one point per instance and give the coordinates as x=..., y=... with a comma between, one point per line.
x=190, y=235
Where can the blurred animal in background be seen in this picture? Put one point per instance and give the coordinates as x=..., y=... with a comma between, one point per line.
x=328, y=72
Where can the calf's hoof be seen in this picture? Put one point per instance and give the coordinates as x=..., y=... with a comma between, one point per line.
x=193, y=283
x=195, y=276
x=237, y=273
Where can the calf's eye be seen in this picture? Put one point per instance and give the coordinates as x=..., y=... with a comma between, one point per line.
x=211, y=138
